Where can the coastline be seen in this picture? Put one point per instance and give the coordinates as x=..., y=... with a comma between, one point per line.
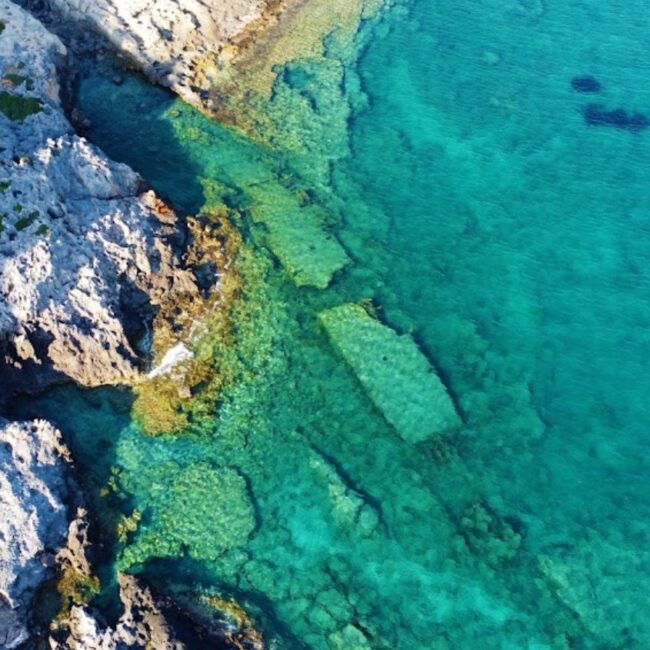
x=99, y=278
x=388, y=237
x=177, y=311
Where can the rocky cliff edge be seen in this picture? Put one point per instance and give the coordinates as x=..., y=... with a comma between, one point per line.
x=86, y=254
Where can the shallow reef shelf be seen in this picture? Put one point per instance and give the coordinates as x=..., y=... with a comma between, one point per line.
x=395, y=374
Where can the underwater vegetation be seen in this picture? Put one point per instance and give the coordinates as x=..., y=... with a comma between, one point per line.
x=18, y=108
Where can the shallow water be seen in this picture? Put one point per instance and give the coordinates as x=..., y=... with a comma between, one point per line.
x=484, y=216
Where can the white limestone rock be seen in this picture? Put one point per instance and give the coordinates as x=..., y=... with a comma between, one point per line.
x=34, y=522
x=85, y=253
x=168, y=40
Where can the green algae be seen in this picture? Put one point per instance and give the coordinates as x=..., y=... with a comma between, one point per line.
x=398, y=378
x=75, y=588
x=25, y=222
x=18, y=108
x=16, y=80
x=217, y=515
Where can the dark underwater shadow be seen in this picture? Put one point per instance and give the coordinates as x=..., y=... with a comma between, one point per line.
x=127, y=122
x=176, y=575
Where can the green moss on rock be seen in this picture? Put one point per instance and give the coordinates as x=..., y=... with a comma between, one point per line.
x=13, y=80
x=18, y=108
x=26, y=222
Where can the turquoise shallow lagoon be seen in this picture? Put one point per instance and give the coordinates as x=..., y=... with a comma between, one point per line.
x=487, y=218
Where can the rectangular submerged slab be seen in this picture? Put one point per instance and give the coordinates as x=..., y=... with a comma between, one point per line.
x=297, y=235
x=395, y=374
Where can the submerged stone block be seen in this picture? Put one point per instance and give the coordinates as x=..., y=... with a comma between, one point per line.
x=396, y=375
x=297, y=235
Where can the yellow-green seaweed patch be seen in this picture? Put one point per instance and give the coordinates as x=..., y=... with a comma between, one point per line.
x=204, y=511
x=18, y=108
x=394, y=372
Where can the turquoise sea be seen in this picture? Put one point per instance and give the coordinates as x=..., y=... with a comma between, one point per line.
x=486, y=168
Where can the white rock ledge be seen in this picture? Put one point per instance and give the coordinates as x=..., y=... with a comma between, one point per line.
x=179, y=353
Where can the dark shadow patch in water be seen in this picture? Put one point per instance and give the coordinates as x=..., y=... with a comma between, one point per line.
x=174, y=575
x=153, y=148
x=586, y=84
x=618, y=118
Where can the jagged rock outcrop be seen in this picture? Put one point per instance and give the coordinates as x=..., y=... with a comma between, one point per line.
x=170, y=41
x=141, y=625
x=34, y=522
x=221, y=56
x=86, y=254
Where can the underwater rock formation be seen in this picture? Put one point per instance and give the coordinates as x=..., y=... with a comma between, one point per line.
x=595, y=578
x=86, y=254
x=34, y=522
x=394, y=372
x=146, y=622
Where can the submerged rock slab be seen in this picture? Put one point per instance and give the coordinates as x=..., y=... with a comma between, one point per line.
x=298, y=236
x=395, y=374
x=34, y=521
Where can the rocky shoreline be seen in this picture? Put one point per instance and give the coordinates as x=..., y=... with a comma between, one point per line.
x=87, y=253
x=34, y=489
x=95, y=269
x=90, y=258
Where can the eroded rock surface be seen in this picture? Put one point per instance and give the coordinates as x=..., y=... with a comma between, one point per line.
x=221, y=56
x=34, y=521
x=141, y=625
x=86, y=254
x=170, y=41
